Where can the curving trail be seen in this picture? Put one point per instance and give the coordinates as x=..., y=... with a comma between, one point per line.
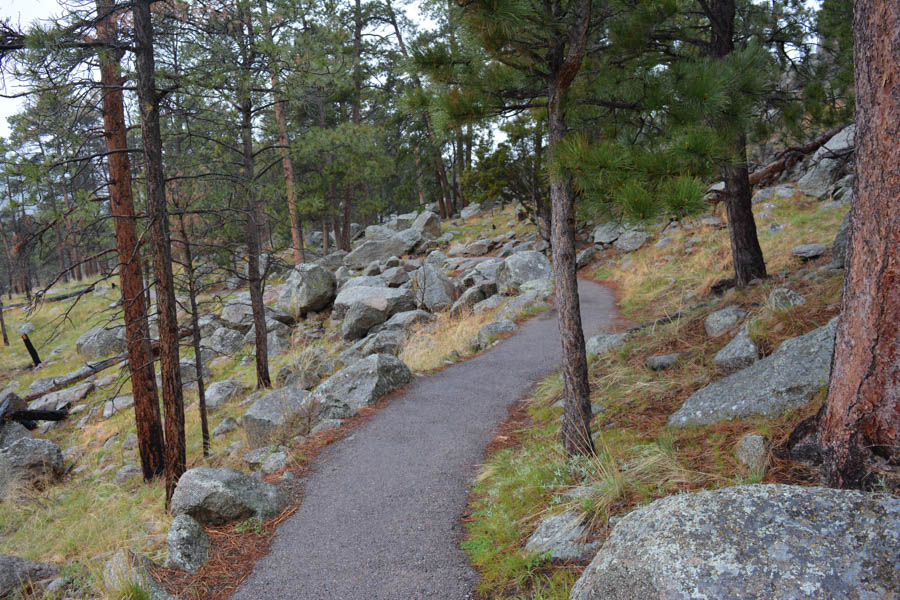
x=380, y=517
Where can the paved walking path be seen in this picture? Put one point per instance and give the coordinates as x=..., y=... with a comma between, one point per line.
x=380, y=517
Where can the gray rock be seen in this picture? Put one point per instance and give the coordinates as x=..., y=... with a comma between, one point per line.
x=100, y=342
x=429, y=224
x=274, y=462
x=518, y=305
x=411, y=239
x=778, y=192
x=488, y=304
x=389, y=301
x=827, y=164
x=632, y=240
x=436, y=258
x=661, y=362
x=841, y=241
x=607, y=233
x=30, y=462
x=663, y=242
x=332, y=261
x=25, y=329
x=217, y=496
x=127, y=569
x=751, y=451
x=544, y=287
x=127, y=472
x=809, y=251
x=478, y=248
x=722, y=320
x=489, y=269
x=10, y=432
x=130, y=442
x=467, y=301
x=433, y=290
x=224, y=341
x=63, y=398
x=783, y=381
x=563, y=537
x=386, y=341
x=739, y=353
x=408, y=319
x=272, y=414
x=188, y=370
x=227, y=425
x=584, y=258
x=372, y=269
x=522, y=266
x=327, y=425
x=603, y=343
x=395, y=276
x=379, y=249
x=363, y=281
x=759, y=541
x=379, y=232
x=256, y=458
x=470, y=211
x=783, y=298
x=775, y=227
x=359, y=319
x=221, y=392
x=360, y=384
x=116, y=404
x=309, y=287
x=187, y=543
x=490, y=332
x=16, y=572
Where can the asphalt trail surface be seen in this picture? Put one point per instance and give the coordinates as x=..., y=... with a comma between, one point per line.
x=380, y=517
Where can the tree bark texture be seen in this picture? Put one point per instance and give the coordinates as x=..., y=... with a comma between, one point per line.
x=137, y=332
x=170, y=368
x=576, y=424
x=860, y=430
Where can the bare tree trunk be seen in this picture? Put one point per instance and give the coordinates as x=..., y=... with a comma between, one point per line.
x=746, y=253
x=576, y=424
x=253, y=272
x=195, y=336
x=3, y=324
x=286, y=165
x=76, y=262
x=170, y=368
x=861, y=424
x=137, y=334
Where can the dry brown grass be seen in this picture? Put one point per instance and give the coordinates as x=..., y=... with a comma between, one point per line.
x=429, y=344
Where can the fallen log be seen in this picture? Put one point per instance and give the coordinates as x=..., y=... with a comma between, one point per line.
x=74, y=294
x=791, y=156
x=90, y=369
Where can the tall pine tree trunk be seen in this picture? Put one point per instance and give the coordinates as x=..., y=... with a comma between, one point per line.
x=746, y=253
x=137, y=332
x=253, y=248
x=286, y=165
x=565, y=63
x=170, y=368
x=861, y=424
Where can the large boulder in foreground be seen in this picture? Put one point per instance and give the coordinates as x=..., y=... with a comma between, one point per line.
x=783, y=381
x=309, y=287
x=272, y=414
x=522, y=267
x=100, y=342
x=217, y=496
x=16, y=572
x=31, y=462
x=362, y=383
x=429, y=224
x=758, y=541
x=187, y=543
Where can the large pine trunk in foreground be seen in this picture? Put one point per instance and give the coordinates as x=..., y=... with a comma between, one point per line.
x=170, y=368
x=860, y=426
x=137, y=332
